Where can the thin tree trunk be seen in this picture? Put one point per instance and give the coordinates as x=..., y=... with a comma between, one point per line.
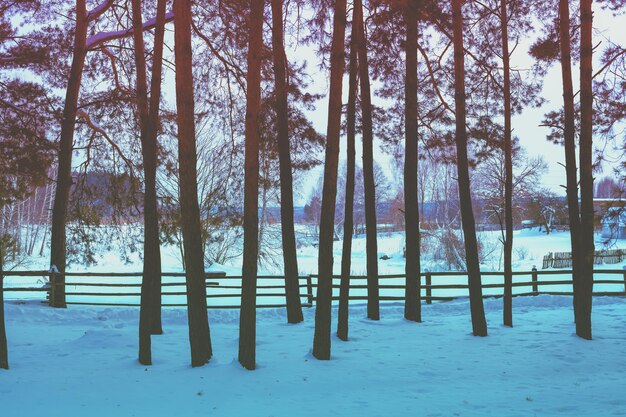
x=4, y=352
x=321, y=338
x=247, y=322
x=145, y=353
x=569, y=141
x=290, y=258
x=348, y=222
x=371, y=244
x=153, y=268
x=199, y=334
x=508, y=175
x=479, y=324
x=412, y=294
x=585, y=286
x=64, y=171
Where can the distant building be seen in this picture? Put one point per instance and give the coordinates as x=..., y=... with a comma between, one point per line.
x=614, y=223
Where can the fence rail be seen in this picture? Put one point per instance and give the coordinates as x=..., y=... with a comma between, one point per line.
x=564, y=259
x=225, y=291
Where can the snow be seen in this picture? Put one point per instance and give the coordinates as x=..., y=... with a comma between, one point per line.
x=98, y=38
x=530, y=245
x=82, y=361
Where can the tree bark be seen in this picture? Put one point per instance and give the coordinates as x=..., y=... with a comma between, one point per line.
x=585, y=284
x=569, y=141
x=153, y=268
x=290, y=258
x=479, y=324
x=64, y=171
x=199, y=334
x=508, y=172
x=247, y=323
x=145, y=353
x=412, y=294
x=150, y=310
x=371, y=244
x=321, y=338
x=348, y=222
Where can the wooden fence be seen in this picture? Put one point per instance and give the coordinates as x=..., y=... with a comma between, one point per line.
x=223, y=291
x=564, y=259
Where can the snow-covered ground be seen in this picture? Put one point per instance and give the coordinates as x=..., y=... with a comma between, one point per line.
x=82, y=362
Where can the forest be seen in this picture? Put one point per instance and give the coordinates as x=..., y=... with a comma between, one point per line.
x=223, y=128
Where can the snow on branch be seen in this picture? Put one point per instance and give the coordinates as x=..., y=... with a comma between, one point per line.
x=99, y=38
x=98, y=129
x=98, y=10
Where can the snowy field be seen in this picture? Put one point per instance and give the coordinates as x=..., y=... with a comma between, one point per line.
x=82, y=362
x=529, y=248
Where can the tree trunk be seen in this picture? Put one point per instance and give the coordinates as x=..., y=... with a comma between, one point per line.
x=145, y=353
x=508, y=174
x=199, y=334
x=321, y=338
x=412, y=293
x=479, y=324
x=290, y=258
x=152, y=269
x=371, y=245
x=150, y=311
x=4, y=351
x=569, y=141
x=585, y=285
x=64, y=171
x=247, y=323
x=348, y=223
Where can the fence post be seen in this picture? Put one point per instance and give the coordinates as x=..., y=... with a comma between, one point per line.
x=535, y=278
x=429, y=291
x=624, y=267
x=309, y=289
x=52, y=285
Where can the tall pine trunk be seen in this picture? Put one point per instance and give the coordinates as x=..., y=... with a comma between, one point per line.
x=508, y=171
x=290, y=259
x=348, y=222
x=152, y=260
x=412, y=294
x=199, y=334
x=479, y=324
x=149, y=316
x=321, y=338
x=569, y=141
x=145, y=354
x=64, y=171
x=585, y=284
x=371, y=244
x=247, y=323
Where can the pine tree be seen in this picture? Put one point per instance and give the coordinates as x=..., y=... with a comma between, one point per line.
x=412, y=302
x=290, y=259
x=479, y=324
x=348, y=217
x=247, y=322
x=321, y=339
x=199, y=334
